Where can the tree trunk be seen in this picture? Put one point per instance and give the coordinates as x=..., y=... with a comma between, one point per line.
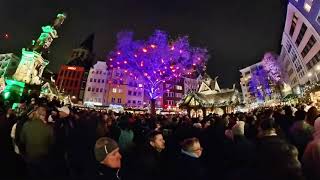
x=153, y=107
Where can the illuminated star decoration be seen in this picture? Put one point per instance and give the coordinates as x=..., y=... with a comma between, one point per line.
x=157, y=60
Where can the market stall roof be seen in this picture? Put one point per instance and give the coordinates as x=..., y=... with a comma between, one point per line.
x=210, y=95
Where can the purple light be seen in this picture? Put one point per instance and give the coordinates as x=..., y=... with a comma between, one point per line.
x=177, y=54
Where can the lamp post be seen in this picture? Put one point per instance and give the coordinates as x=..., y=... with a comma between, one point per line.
x=309, y=76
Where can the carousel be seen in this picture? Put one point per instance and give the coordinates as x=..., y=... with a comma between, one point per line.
x=210, y=99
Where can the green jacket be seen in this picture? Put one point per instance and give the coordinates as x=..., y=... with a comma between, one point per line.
x=37, y=139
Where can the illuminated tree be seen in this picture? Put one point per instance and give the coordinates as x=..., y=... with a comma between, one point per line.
x=272, y=67
x=259, y=84
x=157, y=60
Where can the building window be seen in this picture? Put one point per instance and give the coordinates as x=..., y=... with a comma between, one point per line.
x=139, y=102
x=89, y=88
x=100, y=89
x=98, y=80
x=307, y=5
x=134, y=102
x=170, y=94
x=135, y=93
x=129, y=101
x=309, y=45
x=90, y=79
x=139, y=93
x=102, y=80
x=113, y=100
x=293, y=24
x=95, y=80
x=119, y=90
x=114, y=90
x=129, y=93
x=169, y=102
x=168, y=85
x=93, y=89
x=290, y=72
x=178, y=95
x=314, y=60
x=178, y=87
x=92, y=72
x=119, y=100
x=140, y=85
x=318, y=18
x=301, y=34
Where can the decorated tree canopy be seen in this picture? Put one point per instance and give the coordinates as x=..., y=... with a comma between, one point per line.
x=259, y=83
x=157, y=60
x=272, y=67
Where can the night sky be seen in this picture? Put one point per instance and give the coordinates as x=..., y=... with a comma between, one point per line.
x=235, y=32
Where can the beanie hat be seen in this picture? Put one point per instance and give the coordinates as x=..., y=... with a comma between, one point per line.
x=103, y=147
x=238, y=129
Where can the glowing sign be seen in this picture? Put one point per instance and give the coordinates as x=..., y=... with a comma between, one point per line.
x=72, y=68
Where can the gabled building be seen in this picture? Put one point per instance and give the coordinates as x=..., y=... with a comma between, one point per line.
x=210, y=99
x=95, y=91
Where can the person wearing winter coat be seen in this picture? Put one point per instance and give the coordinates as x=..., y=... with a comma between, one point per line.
x=108, y=159
x=189, y=165
x=311, y=156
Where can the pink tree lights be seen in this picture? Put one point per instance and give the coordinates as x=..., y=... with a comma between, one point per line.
x=157, y=60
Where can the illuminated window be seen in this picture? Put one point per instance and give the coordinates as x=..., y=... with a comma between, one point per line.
x=114, y=90
x=178, y=87
x=140, y=85
x=307, y=5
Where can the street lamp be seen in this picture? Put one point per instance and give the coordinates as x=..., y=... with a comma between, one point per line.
x=309, y=76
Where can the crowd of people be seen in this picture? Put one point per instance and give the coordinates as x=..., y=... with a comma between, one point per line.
x=42, y=139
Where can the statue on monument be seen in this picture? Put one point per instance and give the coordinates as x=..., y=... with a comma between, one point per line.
x=33, y=62
x=49, y=33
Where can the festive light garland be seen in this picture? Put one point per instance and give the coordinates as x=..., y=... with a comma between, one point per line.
x=157, y=60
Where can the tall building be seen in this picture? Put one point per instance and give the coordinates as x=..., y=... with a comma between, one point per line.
x=95, y=91
x=173, y=93
x=256, y=86
x=81, y=59
x=124, y=90
x=300, y=53
x=8, y=64
x=69, y=80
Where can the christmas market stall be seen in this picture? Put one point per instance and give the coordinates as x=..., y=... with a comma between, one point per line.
x=210, y=99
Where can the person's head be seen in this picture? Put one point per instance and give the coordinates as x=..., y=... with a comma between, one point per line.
x=267, y=127
x=192, y=146
x=300, y=115
x=156, y=140
x=64, y=111
x=41, y=113
x=106, y=151
x=312, y=114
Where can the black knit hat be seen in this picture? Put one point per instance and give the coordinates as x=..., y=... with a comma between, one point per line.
x=103, y=147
